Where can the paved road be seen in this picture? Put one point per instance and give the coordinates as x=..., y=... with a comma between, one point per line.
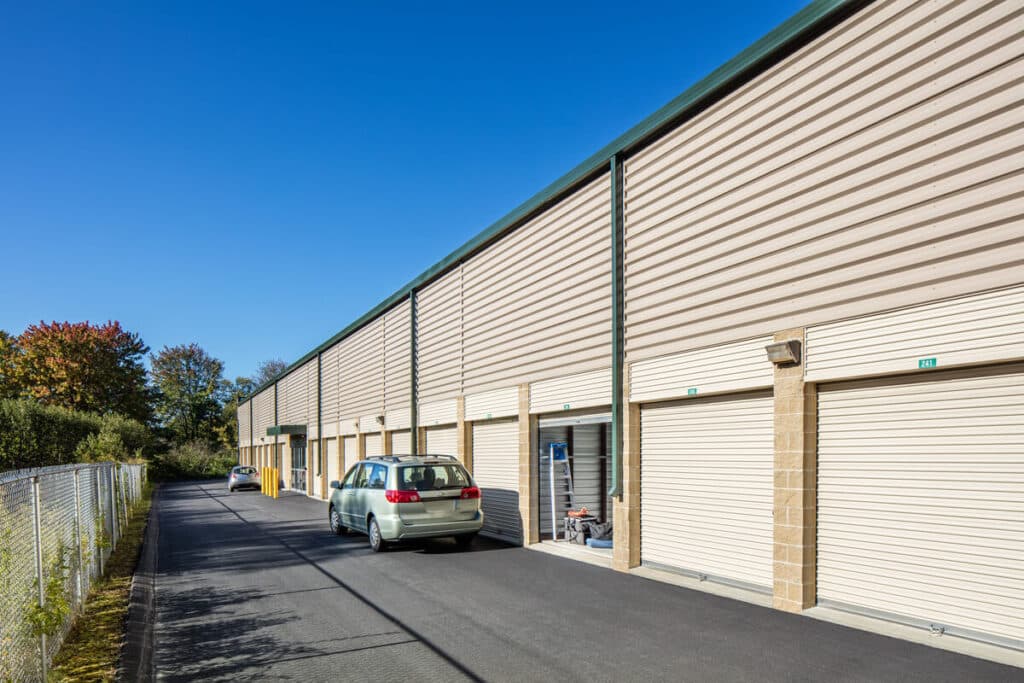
x=254, y=588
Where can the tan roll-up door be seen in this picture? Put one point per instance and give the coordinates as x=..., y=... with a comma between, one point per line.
x=496, y=471
x=374, y=445
x=921, y=499
x=706, y=477
x=351, y=453
x=401, y=442
x=334, y=472
x=442, y=441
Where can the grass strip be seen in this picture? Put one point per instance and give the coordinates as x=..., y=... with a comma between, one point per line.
x=91, y=650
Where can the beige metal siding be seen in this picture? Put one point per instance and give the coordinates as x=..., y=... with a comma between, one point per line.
x=496, y=472
x=397, y=419
x=585, y=390
x=401, y=442
x=292, y=394
x=369, y=423
x=442, y=441
x=975, y=329
x=351, y=451
x=439, y=337
x=244, y=425
x=398, y=359
x=349, y=426
x=493, y=403
x=718, y=369
x=921, y=498
x=537, y=301
x=361, y=366
x=263, y=411
x=706, y=478
x=312, y=417
x=331, y=381
x=374, y=445
x=878, y=167
x=438, y=412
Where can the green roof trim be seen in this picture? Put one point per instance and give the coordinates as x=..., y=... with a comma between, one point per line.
x=280, y=430
x=807, y=24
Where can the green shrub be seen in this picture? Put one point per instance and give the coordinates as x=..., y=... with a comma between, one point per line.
x=33, y=435
x=102, y=447
x=193, y=460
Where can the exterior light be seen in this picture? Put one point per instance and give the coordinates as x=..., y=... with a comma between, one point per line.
x=380, y=419
x=784, y=352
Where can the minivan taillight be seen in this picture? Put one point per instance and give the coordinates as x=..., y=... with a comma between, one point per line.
x=471, y=492
x=393, y=496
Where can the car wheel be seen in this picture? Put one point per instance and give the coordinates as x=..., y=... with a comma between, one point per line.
x=230, y=490
x=337, y=528
x=377, y=543
x=464, y=542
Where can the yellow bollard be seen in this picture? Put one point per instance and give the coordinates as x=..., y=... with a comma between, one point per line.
x=264, y=475
x=273, y=482
x=277, y=482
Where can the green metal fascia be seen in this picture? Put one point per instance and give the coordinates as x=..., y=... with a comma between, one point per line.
x=282, y=430
x=615, y=170
x=805, y=25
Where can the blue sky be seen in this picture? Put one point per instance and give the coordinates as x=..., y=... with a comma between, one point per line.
x=254, y=176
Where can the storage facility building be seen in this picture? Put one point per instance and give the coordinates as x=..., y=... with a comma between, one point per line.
x=780, y=324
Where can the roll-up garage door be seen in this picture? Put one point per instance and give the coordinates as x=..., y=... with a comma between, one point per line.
x=334, y=472
x=442, y=441
x=374, y=445
x=921, y=500
x=496, y=471
x=706, y=477
x=351, y=454
x=401, y=442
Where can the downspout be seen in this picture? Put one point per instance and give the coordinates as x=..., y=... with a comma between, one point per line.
x=277, y=454
x=252, y=437
x=413, y=403
x=615, y=168
x=320, y=454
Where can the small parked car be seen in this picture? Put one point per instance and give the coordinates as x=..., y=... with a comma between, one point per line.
x=400, y=497
x=243, y=477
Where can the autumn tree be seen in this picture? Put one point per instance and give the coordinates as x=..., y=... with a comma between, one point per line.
x=227, y=432
x=10, y=386
x=189, y=389
x=267, y=370
x=80, y=366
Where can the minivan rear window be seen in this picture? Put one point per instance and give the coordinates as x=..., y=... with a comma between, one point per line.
x=432, y=477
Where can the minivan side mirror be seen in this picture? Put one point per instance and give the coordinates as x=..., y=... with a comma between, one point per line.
x=335, y=484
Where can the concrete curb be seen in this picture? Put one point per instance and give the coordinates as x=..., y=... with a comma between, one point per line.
x=136, y=660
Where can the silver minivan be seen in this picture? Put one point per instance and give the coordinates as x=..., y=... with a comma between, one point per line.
x=400, y=497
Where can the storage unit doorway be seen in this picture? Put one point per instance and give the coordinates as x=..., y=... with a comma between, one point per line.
x=588, y=438
x=496, y=472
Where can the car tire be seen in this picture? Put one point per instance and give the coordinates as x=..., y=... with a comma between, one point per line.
x=230, y=490
x=464, y=542
x=334, y=517
x=377, y=542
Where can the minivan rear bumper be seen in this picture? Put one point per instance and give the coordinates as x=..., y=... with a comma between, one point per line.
x=395, y=529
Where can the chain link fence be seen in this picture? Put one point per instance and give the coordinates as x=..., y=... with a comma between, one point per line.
x=58, y=526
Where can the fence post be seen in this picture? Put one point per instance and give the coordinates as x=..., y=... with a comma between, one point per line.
x=123, y=480
x=97, y=540
x=113, y=509
x=78, y=539
x=38, y=529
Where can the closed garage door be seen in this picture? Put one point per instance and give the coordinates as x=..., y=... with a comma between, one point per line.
x=442, y=441
x=496, y=471
x=921, y=500
x=401, y=442
x=374, y=445
x=334, y=472
x=351, y=453
x=706, y=487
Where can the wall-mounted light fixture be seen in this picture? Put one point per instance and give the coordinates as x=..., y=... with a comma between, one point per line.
x=380, y=419
x=784, y=352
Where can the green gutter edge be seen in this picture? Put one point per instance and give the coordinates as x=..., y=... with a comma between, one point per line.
x=805, y=25
x=615, y=170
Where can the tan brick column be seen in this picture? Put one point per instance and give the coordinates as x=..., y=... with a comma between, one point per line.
x=626, y=511
x=387, y=443
x=529, y=511
x=421, y=440
x=324, y=469
x=464, y=434
x=795, y=484
x=360, y=445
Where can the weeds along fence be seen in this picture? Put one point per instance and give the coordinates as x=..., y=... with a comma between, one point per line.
x=58, y=526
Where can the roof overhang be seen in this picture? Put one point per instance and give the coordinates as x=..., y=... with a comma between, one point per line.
x=279, y=430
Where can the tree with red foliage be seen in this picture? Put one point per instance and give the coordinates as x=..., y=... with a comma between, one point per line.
x=96, y=368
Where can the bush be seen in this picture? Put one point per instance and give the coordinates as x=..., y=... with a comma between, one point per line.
x=102, y=447
x=33, y=435
x=193, y=460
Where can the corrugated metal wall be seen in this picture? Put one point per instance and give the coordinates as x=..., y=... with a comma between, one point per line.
x=585, y=390
x=727, y=367
x=493, y=403
x=880, y=166
x=538, y=300
x=263, y=411
x=330, y=379
x=361, y=367
x=398, y=363
x=244, y=425
x=439, y=338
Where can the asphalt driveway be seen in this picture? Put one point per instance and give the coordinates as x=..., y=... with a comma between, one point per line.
x=253, y=588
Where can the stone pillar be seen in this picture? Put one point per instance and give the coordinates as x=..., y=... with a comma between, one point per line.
x=626, y=510
x=360, y=445
x=795, y=514
x=529, y=511
x=464, y=434
x=387, y=443
x=421, y=440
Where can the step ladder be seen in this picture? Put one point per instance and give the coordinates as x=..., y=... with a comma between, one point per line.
x=563, y=498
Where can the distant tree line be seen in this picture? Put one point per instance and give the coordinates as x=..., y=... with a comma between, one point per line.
x=81, y=392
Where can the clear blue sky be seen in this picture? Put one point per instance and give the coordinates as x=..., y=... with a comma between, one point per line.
x=254, y=176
